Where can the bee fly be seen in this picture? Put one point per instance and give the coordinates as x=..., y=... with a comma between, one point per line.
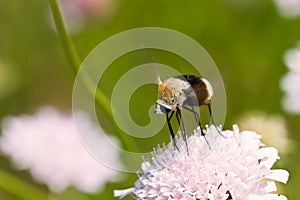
x=184, y=91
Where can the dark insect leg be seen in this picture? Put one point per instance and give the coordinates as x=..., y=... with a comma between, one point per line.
x=181, y=125
x=212, y=119
x=197, y=118
x=171, y=129
x=210, y=114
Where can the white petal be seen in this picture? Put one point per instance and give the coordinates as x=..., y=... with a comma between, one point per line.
x=235, y=128
x=225, y=197
x=280, y=175
x=275, y=197
x=292, y=59
x=122, y=193
x=250, y=139
x=266, y=197
x=269, y=186
x=269, y=155
x=210, y=196
x=146, y=166
x=255, y=197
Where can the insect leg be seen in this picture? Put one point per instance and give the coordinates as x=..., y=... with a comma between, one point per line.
x=212, y=119
x=171, y=129
x=181, y=125
x=210, y=114
x=197, y=118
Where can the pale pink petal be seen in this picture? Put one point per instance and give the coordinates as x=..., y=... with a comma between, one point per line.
x=269, y=186
x=292, y=59
x=268, y=156
x=235, y=168
x=255, y=197
x=290, y=81
x=267, y=197
x=288, y=8
x=279, y=175
x=47, y=145
x=275, y=197
x=122, y=193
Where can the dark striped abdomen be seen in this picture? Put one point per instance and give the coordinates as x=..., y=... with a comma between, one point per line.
x=200, y=89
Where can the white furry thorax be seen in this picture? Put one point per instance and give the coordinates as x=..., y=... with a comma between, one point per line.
x=171, y=93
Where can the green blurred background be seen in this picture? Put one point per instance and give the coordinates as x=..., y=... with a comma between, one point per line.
x=246, y=39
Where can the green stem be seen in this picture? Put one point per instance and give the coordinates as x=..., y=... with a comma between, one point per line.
x=21, y=189
x=74, y=60
x=66, y=40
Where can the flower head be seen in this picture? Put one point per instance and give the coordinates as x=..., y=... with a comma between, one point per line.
x=289, y=8
x=78, y=13
x=48, y=146
x=236, y=168
x=290, y=82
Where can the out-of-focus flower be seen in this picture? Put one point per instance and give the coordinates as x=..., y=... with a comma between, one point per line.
x=272, y=129
x=288, y=8
x=48, y=146
x=8, y=79
x=236, y=168
x=290, y=82
x=77, y=13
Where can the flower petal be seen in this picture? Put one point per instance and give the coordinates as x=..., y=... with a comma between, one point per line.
x=255, y=197
x=268, y=156
x=275, y=197
x=269, y=186
x=266, y=197
x=122, y=193
x=279, y=175
x=234, y=168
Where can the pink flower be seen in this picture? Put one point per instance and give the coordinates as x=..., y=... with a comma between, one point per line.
x=289, y=8
x=48, y=146
x=236, y=168
x=79, y=12
x=290, y=82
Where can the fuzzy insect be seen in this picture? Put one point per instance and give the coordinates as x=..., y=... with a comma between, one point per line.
x=184, y=91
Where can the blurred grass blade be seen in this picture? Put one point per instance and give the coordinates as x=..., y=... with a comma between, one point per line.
x=75, y=62
x=21, y=189
x=66, y=40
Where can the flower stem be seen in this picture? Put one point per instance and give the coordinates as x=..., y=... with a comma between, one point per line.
x=75, y=62
x=66, y=40
x=21, y=189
